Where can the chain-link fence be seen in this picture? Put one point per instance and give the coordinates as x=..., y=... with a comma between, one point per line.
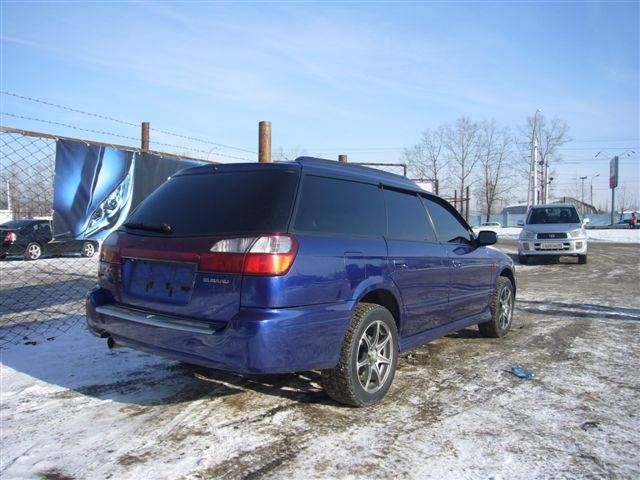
x=43, y=282
x=47, y=267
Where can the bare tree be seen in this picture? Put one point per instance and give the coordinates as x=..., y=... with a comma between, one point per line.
x=288, y=155
x=551, y=135
x=426, y=158
x=462, y=145
x=495, y=162
x=626, y=200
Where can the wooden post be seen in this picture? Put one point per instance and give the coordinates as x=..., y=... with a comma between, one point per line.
x=342, y=158
x=264, y=141
x=144, y=143
x=466, y=208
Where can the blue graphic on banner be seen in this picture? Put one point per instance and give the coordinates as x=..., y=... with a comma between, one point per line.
x=96, y=187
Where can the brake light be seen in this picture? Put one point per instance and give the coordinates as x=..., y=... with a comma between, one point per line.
x=10, y=237
x=264, y=255
x=110, y=254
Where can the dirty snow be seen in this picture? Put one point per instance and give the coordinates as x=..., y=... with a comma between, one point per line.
x=73, y=409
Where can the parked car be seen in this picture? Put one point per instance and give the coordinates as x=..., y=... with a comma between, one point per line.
x=32, y=239
x=297, y=266
x=553, y=230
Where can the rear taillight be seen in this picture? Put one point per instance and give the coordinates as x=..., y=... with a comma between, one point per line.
x=10, y=237
x=264, y=255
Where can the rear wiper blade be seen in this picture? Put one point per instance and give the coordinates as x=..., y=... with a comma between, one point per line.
x=162, y=228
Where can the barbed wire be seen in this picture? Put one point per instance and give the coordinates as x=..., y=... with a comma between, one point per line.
x=186, y=137
x=215, y=153
x=124, y=122
x=50, y=122
x=70, y=109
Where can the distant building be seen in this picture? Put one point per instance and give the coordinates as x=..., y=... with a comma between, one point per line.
x=521, y=208
x=581, y=206
x=515, y=209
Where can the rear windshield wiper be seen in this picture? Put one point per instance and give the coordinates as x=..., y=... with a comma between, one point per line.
x=162, y=228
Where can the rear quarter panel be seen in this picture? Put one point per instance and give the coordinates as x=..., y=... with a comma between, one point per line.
x=327, y=269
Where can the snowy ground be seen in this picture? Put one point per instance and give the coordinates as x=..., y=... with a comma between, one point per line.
x=73, y=409
x=614, y=235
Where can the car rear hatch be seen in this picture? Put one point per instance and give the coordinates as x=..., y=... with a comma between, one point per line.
x=167, y=257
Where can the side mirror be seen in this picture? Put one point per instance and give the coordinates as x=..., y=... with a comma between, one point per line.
x=520, y=223
x=586, y=220
x=487, y=237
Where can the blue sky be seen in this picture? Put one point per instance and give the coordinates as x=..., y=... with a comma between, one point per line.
x=363, y=78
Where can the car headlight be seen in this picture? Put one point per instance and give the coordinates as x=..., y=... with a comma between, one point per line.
x=577, y=233
x=113, y=209
x=527, y=235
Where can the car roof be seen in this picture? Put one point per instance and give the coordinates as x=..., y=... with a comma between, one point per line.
x=318, y=166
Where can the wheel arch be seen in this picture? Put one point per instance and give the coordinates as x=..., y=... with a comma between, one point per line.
x=507, y=272
x=386, y=298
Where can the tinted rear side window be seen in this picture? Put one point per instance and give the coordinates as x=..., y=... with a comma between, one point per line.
x=329, y=205
x=221, y=203
x=407, y=218
x=448, y=227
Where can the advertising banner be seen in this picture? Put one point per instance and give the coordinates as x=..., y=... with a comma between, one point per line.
x=96, y=187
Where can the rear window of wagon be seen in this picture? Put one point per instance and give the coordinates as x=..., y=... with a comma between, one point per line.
x=221, y=203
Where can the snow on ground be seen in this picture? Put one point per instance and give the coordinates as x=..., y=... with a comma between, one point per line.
x=624, y=235
x=73, y=409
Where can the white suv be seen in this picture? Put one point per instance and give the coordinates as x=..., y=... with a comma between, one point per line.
x=553, y=230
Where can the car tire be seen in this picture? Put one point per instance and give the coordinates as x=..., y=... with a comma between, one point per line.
x=88, y=249
x=369, y=349
x=501, y=307
x=523, y=259
x=582, y=259
x=3, y=256
x=33, y=251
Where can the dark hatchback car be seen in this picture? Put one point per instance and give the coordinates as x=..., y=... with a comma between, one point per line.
x=32, y=239
x=297, y=266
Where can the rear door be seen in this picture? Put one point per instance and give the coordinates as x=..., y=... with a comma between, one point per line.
x=164, y=244
x=418, y=262
x=471, y=267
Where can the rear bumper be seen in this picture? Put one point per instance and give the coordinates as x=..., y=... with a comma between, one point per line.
x=254, y=341
x=568, y=246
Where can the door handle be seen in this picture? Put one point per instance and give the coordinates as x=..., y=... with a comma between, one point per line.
x=399, y=264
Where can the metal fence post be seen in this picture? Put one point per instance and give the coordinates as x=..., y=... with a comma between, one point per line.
x=264, y=141
x=466, y=208
x=144, y=137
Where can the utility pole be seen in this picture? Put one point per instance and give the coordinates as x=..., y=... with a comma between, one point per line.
x=144, y=137
x=264, y=141
x=591, y=187
x=582, y=194
x=532, y=195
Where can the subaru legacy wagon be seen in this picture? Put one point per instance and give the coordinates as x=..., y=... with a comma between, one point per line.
x=294, y=266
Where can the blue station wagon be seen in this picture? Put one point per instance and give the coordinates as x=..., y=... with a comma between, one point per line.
x=293, y=266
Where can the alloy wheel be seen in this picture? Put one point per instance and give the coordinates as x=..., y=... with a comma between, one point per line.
x=88, y=249
x=375, y=356
x=506, y=308
x=34, y=251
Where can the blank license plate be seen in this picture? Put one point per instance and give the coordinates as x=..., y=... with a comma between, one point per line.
x=551, y=246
